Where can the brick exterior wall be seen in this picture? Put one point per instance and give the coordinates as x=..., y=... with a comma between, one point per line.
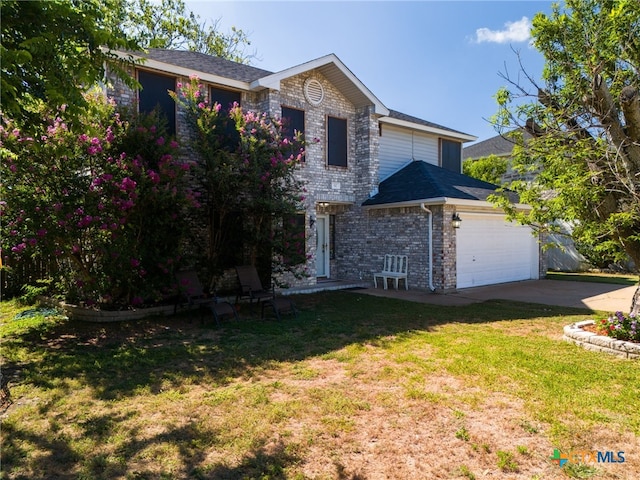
x=446, y=256
x=343, y=188
x=405, y=231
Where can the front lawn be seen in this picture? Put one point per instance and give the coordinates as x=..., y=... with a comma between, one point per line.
x=357, y=387
x=594, y=277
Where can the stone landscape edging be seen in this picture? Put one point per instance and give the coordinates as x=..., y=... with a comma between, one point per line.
x=91, y=315
x=592, y=341
x=85, y=314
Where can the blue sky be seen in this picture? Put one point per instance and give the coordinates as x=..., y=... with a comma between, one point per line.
x=436, y=60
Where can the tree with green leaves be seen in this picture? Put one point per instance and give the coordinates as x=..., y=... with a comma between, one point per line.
x=584, y=118
x=52, y=51
x=491, y=168
x=169, y=24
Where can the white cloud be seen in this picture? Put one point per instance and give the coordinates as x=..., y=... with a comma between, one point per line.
x=518, y=31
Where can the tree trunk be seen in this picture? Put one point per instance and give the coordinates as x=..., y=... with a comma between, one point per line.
x=632, y=249
x=635, y=303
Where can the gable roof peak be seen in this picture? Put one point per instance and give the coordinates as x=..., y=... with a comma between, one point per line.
x=336, y=72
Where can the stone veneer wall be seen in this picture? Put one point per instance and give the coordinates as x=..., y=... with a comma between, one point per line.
x=399, y=231
x=353, y=237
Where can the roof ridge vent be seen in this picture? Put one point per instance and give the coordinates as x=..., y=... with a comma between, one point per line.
x=313, y=91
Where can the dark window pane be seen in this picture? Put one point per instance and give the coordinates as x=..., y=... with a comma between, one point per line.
x=228, y=239
x=225, y=98
x=337, y=141
x=451, y=155
x=292, y=123
x=154, y=95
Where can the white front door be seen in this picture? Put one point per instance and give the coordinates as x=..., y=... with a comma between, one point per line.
x=322, y=246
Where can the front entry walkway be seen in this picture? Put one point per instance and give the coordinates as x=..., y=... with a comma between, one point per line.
x=326, y=285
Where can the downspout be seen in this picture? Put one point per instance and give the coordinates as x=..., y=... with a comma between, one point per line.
x=431, y=287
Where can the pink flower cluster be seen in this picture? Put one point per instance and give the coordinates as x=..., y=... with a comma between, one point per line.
x=103, y=201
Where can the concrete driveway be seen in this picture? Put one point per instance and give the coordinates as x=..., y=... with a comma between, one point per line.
x=593, y=296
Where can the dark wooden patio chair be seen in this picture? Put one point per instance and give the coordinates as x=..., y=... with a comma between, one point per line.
x=251, y=287
x=193, y=293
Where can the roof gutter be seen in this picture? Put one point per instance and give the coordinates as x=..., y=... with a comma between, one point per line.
x=443, y=201
x=144, y=62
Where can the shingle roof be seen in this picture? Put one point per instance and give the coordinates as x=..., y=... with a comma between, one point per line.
x=420, y=181
x=201, y=62
x=498, y=145
x=408, y=118
x=207, y=64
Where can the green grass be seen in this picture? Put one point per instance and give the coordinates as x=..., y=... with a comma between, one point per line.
x=613, y=278
x=170, y=398
x=506, y=461
x=462, y=434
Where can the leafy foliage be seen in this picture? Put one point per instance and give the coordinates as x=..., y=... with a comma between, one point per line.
x=584, y=122
x=51, y=50
x=621, y=327
x=102, y=195
x=489, y=169
x=169, y=24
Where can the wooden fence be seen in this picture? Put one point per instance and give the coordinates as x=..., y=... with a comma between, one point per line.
x=16, y=273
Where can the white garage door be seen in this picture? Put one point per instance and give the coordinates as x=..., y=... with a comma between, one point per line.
x=491, y=250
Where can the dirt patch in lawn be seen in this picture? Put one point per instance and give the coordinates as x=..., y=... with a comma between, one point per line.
x=451, y=430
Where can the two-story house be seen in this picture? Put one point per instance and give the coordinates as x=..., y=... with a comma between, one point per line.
x=378, y=181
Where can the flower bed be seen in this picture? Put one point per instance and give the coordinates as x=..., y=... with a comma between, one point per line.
x=593, y=341
x=620, y=327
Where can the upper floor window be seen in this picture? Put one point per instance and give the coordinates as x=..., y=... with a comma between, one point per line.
x=337, y=141
x=225, y=98
x=154, y=95
x=292, y=121
x=292, y=124
x=451, y=155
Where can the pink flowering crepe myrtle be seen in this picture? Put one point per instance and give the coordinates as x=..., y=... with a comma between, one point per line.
x=101, y=201
x=248, y=170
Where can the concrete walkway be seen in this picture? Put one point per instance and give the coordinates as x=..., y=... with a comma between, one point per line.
x=593, y=296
